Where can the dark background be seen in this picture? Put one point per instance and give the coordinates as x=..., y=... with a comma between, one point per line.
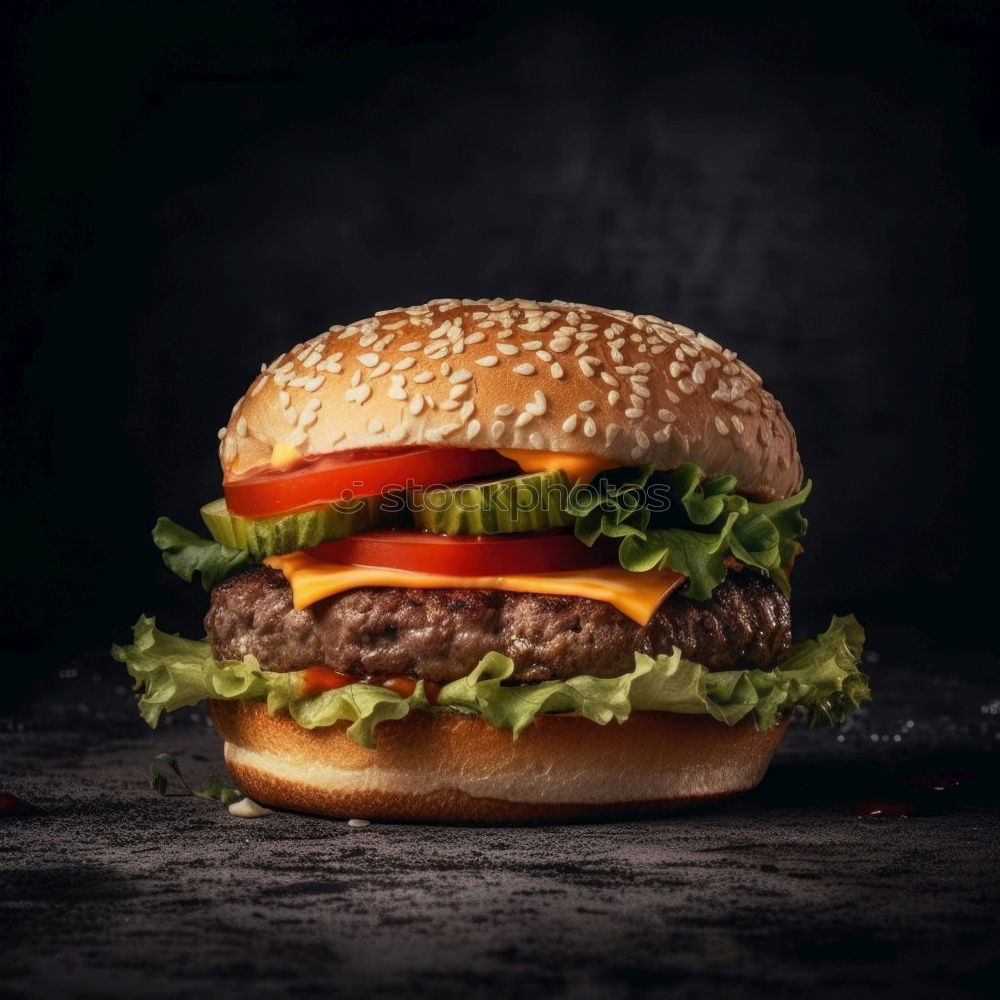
x=193, y=188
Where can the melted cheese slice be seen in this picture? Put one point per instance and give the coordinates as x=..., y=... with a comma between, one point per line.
x=637, y=595
x=578, y=468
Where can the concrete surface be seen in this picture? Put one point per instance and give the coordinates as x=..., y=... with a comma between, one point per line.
x=110, y=890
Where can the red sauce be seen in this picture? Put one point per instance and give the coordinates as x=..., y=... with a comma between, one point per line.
x=10, y=803
x=883, y=809
x=319, y=679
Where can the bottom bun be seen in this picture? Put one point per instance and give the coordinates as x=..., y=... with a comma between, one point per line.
x=453, y=768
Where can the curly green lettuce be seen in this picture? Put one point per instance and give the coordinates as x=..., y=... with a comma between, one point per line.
x=820, y=675
x=186, y=553
x=704, y=522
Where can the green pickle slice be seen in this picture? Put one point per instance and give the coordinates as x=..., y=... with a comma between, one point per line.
x=530, y=502
x=266, y=536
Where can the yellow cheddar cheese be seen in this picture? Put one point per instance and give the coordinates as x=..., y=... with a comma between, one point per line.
x=636, y=595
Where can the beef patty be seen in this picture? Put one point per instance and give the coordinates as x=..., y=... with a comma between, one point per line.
x=441, y=635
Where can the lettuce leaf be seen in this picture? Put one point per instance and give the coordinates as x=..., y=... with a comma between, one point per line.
x=186, y=553
x=694, y=533
x=821, y=675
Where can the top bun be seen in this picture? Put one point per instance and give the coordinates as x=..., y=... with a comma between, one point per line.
x=513, y=373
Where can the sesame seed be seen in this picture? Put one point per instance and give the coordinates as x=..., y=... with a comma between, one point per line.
x=614, y=396
x=416, y=404
x=458, y=391
x=314, y=383
x=633, y=413
x=642, y=438
x=580, y=351
x=543, y=356
x=369, y=360
x=657, y=348
x=686, y=386
x=569, y=424
x=221, y=433
x=461, y=375
x=284, y=399
x=698, y=372
x=362, y=393
x=560, y=344
x=473, y=428
x=538, y=405
x=586, y=367
x=589, y=427
x=440, y=331
x=609, y=379
x=402, y=366
x=496, y=429
x=611, y=432
x=672, y=396
x=587, y=405
x=556, y=371
x=523, y=419
x=475, y=338
x=308, y=418
x=290, y=415
x=413, y=345
x=637, y=453
x=503, y=410
x=737, y=423
x=423, y=377
x=468, y=407
x=449, y=404
x=677, y=369
x=487, y=361
x=524, y=369
x=397, y=392
x=509, y=349
x=667, y=416
x=721, y=426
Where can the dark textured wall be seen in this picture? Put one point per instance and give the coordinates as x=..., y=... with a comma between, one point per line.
x=193, y=190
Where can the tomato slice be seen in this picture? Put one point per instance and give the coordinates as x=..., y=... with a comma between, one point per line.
x=343, y=476
x=462, y=555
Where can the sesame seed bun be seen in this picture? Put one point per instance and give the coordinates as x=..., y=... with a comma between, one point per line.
x=451, y=768
x=518, y=374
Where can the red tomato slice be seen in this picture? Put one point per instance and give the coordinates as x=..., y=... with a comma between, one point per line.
x=455, y=555
x=340, y=477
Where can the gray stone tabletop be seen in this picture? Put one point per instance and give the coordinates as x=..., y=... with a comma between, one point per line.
x=108, y=889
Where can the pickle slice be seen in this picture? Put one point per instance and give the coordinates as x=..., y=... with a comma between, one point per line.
x=266, y=536
x=530, y=502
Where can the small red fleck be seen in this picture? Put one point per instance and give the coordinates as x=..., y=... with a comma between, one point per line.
x=10, y=803
x=883, y=809
x=939, y=781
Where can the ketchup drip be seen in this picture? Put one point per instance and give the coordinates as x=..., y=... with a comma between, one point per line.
x=319, y=679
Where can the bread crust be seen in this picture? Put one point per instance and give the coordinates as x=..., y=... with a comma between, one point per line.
x=432, y=767
x=520, y=374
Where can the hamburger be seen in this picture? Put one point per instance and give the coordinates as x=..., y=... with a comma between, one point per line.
x=500, y=561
